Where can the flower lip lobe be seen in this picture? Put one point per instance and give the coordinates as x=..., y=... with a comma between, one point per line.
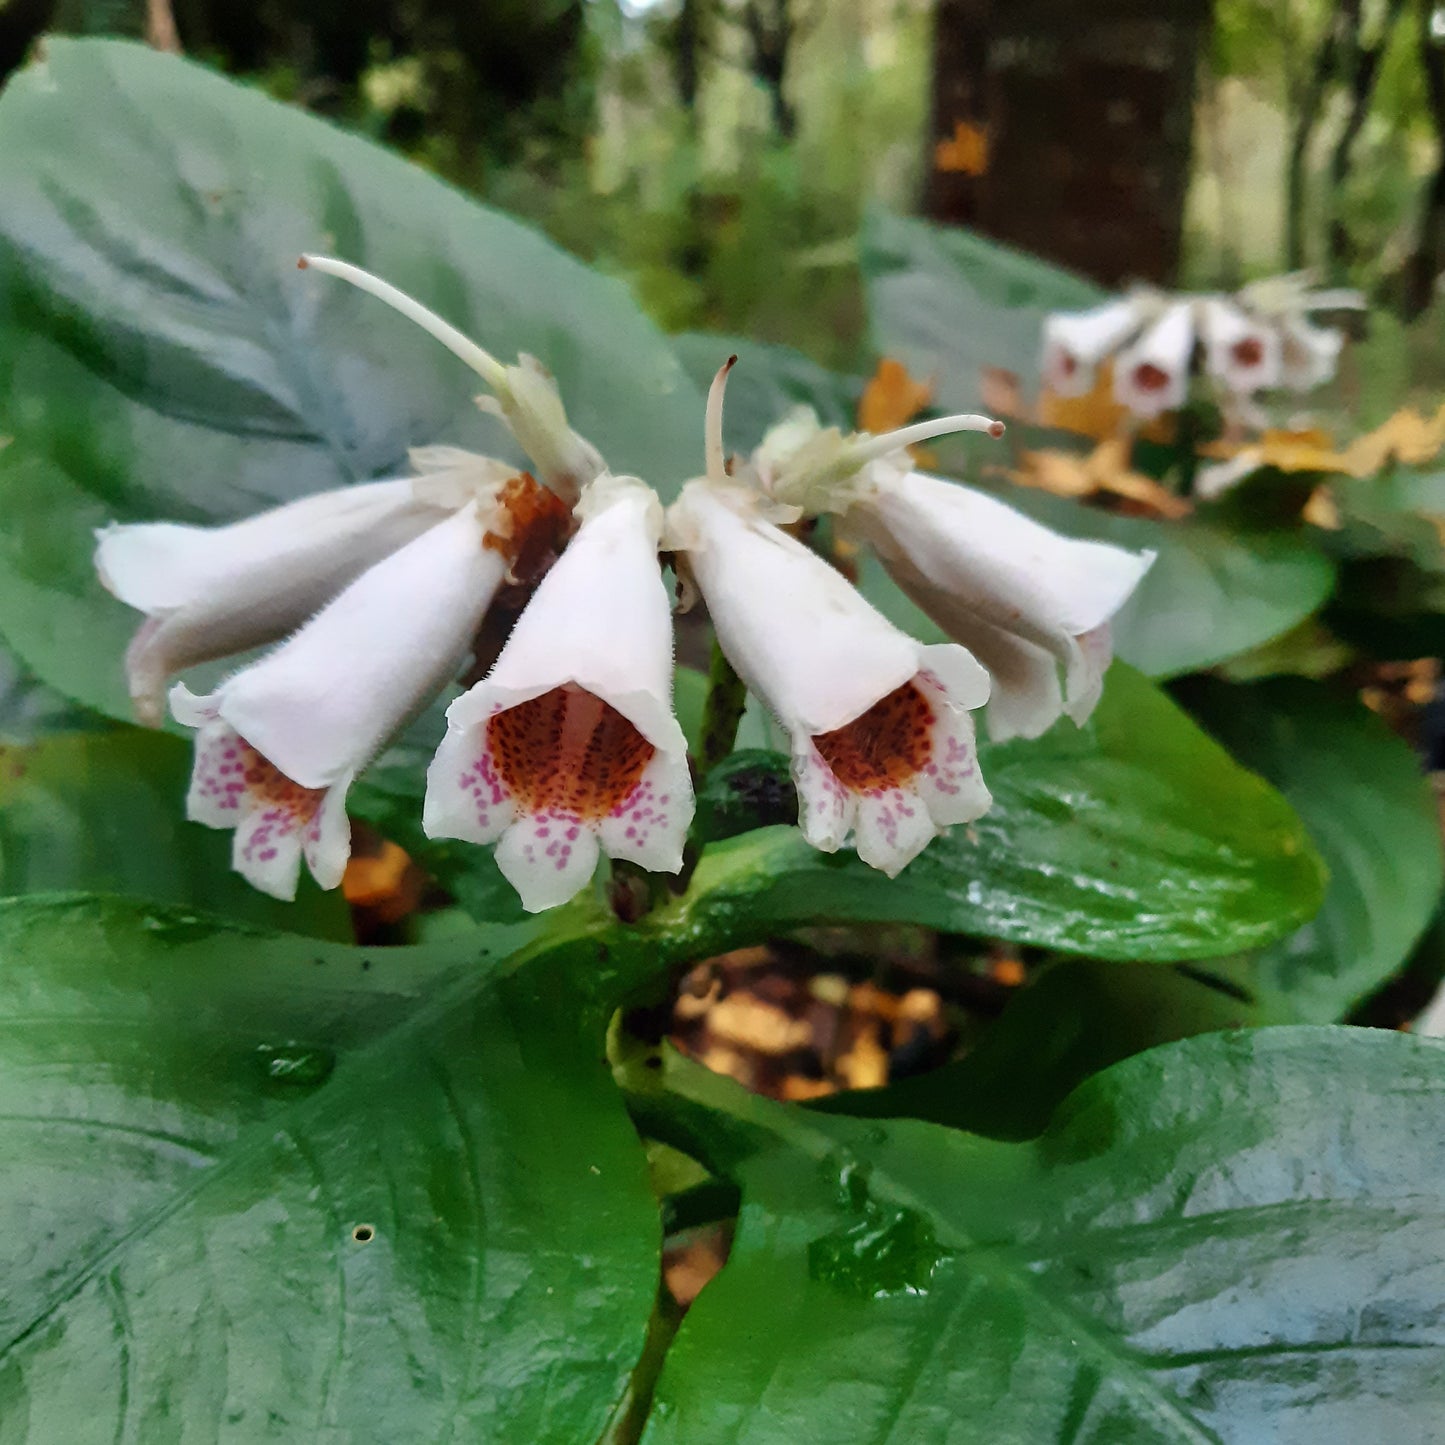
x=885, y=747
x=568, y=752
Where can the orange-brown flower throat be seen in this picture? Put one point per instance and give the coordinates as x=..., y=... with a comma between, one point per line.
x=884, y=747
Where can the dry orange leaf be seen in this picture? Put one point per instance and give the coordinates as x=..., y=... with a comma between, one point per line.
x=383, y=881
x=1406, y=437
x=892, y=398
x=965, y=152
x=1095, y=414
x=1105, y=469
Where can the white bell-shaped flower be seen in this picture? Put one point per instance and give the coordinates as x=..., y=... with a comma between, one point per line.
x=1310, y=353
x=211, y=592
x=1151, y=374
x=569, y=747
x=1075, y=342
x=1025, y=600
x=1240, y=350
x=525, y=396
x=881, y=737
x=280, y=741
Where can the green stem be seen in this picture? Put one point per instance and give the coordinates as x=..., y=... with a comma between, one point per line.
x=723, y=712
x=1186, y=437
x=629, y=1418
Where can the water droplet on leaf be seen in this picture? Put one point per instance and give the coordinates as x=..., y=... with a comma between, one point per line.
x=302, y=1065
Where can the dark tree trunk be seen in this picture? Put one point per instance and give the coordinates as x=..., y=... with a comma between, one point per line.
x=770, y=30
x=961, y=31
x=687, y=52
x=1310, y=101
x=1088, y=119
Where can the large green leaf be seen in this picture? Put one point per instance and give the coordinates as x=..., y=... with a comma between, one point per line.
x=950, y=304
x=1226, y=1241
x=1366, y=804
x=101, y=812
x=160, y=355
x=258, y=1187
x=1135, y=837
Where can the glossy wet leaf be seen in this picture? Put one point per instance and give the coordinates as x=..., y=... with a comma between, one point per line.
x=1373, y=816
x=103, y=812
x=161, y=356
x=258, y=1187
x=1221, y=1242
x=1135, y=837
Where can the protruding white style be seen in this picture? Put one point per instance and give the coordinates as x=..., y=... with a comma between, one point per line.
x=525, y=396
x=1151, y=374
x=1023, y=599
x=279, y=742
x=569, y=747
x=211, y=592
x=1242, y=352
x=1075, y=342
x=881, y=737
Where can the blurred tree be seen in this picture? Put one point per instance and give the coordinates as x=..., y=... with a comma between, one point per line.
x=1075, y=128
x=1427, y=264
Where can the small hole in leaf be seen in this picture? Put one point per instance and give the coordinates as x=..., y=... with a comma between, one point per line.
x=363, y=1234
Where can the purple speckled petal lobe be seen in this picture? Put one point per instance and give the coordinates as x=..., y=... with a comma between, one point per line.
x=267, y=849
x=649, y=826
x=951, y=783
x=465, y=795
x=548, y=858
x=825, y=807
x=893, y=828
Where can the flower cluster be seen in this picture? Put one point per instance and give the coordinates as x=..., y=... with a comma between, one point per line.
x=1257, y=340
x=370, y=599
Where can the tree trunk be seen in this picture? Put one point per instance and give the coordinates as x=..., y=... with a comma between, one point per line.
x=961, y=31
x=1087, y=126
x=1306, y=117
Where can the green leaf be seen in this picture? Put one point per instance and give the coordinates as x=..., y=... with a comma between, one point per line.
x=258, y=1187
x=768, y=381
x=1135, y=837
x=951, y=305
x=104, y=813
x=1372, y=815
x=1077, y=1018
x=1221, y=1242
x=1210, y=595
x=161, y=356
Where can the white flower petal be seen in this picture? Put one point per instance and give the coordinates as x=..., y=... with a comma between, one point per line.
x=213, y=591
x=322, y=704
x=867, y=708
x=266, y=852
x=1242, y=352
x=544, y=863
x=1310, y=354
x=326, y=841
x=1152, y=375
x=951, y=785
x=1075, y=342
x=218, y=794
x=893, y=828
x=827, y=811
x=465, y=795
x=649, y=827
x=573, y=728
x=1004, y=586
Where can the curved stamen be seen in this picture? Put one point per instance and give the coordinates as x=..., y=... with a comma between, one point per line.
x=869, y=449
x=717, y=466
x=481, y=361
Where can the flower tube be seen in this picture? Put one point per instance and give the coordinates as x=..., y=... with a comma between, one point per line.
x=1075, y=342
x=210, y=592
x=1151, y=375
x=569, y=747
x=1243, y=353
x=881, y=738
x=1023, y=599
x=279, y=742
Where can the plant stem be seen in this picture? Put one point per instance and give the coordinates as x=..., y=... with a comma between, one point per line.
x=723, y=711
